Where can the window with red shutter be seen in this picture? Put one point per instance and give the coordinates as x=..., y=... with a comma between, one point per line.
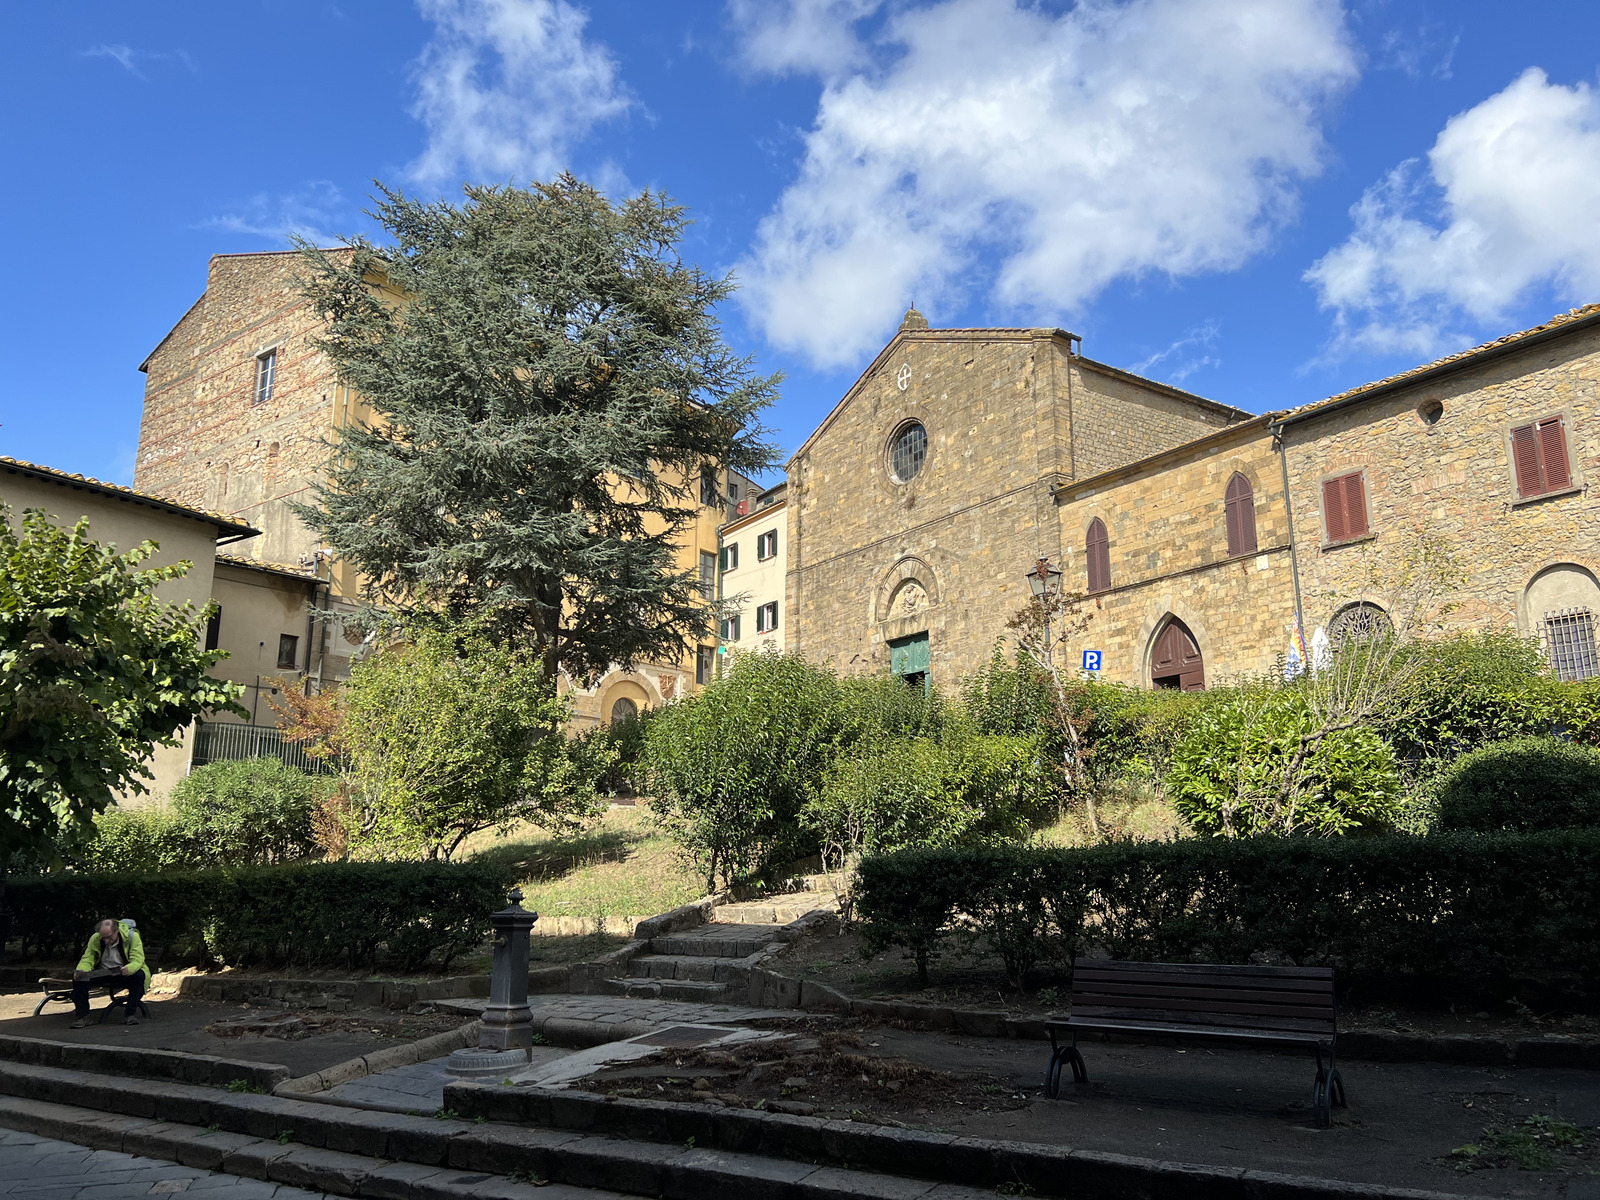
x=1539, y=457
x=1098, y=551
x=1239, y=504
x=1344, y=507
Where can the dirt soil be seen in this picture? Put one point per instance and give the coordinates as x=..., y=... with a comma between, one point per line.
x=1459, y=1130
x=965, y=975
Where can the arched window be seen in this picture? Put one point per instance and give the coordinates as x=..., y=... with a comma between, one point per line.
x=624, y=709
x=1097, y=547
x=1240, y=507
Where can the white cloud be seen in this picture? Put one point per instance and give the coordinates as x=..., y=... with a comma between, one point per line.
x=1185, y=356
x=310, y=212
x=129, y=58
x=800, y=36
x=1055, y=153
x=507, y=87
x=1509, y=201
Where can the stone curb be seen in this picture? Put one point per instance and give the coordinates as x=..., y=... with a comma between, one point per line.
x=150, y=1064
x=973, y=1162
x=382, y=1060
x=737, y=1153
x=372, y=993
x=342, y=1152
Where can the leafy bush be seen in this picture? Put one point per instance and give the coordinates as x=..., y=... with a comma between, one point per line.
x=732, y=768
x=1235, y=771
x=1455, y=915
x=250, y=811
x=621, y=746
x=917, y=791
x=146, y=840
x=1523, y=784
x=311, y=914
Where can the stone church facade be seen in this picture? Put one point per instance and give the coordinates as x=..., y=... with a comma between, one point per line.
x=1201, y=537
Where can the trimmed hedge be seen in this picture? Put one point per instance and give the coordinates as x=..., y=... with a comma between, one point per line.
x=1525, y=784
x=1444, y=917
x=311, y=914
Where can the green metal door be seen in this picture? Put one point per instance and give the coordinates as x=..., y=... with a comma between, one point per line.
x=909, y=655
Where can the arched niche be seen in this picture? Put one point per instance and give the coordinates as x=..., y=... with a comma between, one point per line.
x=1175, y=658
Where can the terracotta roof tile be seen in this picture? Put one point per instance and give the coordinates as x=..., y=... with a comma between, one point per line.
x=221, y=520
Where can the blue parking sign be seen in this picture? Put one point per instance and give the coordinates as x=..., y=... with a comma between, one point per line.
x=1091, y=660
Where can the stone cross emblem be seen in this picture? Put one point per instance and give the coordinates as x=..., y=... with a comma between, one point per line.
x=902, y=377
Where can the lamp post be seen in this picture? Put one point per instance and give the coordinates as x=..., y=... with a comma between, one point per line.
x=507, y=1030
x=1044, y=581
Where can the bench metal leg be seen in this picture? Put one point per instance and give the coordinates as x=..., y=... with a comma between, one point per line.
x=1064, y=1054
x=1327, y=1093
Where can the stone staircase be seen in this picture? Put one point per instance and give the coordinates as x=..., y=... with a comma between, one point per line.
x=710, y=964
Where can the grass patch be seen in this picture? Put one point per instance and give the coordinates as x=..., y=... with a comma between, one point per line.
x=1539, y=1143
x=1137, y=812
x=619, y=866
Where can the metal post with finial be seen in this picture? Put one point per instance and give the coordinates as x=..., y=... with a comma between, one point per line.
x=507, y=1030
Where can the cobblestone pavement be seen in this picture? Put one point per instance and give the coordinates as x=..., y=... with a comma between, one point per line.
x=418, y=1088
x=42, y=1169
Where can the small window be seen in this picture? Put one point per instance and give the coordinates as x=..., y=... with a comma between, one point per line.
x=1569, y=641
x=266, y=375
x=767, y=617
x=708, y=574
x=288, y=651
x=623, y=710
x=214, y=629
x=733, y=491
x=1539, y=457
x=1240, y=508
x=1097, y=551
x=705, y=658
x=767, y=545
x=908, y=452
x=730, y=557
x=1344, y=507
x=730, y=629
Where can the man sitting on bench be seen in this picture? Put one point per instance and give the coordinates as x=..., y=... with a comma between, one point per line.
x=113, y=959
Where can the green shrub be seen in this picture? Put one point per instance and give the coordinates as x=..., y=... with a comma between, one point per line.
x=147, y=840
x=1234, y=774
x=1523, y=784
x=620, y=746
x=308, y=914
x=895, y=793
x=1457, y=915
x=250, y=811
x=732, y=767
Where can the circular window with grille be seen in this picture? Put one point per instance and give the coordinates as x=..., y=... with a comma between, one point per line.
x=908, y=450
x=1357, y=623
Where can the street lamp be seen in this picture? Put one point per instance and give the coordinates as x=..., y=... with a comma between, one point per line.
x=1044, y=581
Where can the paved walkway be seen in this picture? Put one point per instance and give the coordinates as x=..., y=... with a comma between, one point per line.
x=42, y=1169
x=613, y=1010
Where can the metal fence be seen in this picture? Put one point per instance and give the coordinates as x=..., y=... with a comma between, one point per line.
x=220, y=741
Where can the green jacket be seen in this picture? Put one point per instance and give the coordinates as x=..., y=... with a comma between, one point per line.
x=132, y=950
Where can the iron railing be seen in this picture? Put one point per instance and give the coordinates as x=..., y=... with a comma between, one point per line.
x=221, y=741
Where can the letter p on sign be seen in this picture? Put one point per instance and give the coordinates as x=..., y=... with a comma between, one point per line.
x=1091, y=660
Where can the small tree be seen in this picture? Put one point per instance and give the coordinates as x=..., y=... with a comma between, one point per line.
x=95, y=672
x=449, y=733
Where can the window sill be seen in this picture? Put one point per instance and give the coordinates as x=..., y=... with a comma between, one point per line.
x=1571, y=489
x=1355, y=541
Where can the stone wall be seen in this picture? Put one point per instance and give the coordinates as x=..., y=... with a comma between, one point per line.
x=872, y=559
x=1453, y=479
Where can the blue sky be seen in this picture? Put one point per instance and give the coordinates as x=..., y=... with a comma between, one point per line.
x=1264, y=201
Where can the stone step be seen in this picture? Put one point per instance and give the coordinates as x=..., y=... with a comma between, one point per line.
x=715, y=941
x=682, y=966
x=702, y=990
x=349, y=1152
x=759, y=912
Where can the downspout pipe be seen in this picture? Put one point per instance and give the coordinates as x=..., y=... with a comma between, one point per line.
x=1279, y=441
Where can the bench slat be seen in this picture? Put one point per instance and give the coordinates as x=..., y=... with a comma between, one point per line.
x=1183, y=1016
x=1282, y=1037
x=1178, y=996
x=1253, y=1008
x=1189, y=979
x=1113, y=964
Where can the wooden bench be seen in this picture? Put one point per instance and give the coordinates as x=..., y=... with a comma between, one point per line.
x=1258, y=1006
x=58, y=990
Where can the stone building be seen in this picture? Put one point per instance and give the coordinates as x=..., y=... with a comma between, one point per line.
x=1209, y=556
x=240, y=409
x=919, y=505
x=124, y=517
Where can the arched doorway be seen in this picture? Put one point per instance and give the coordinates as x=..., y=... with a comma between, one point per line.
x=1175, y=659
